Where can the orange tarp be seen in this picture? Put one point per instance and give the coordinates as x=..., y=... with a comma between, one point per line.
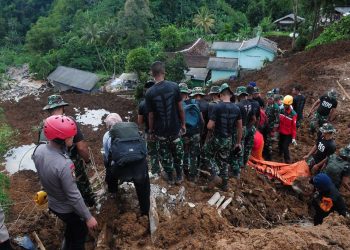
x=286, y=173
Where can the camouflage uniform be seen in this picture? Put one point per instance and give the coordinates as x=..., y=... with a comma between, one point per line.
x=192, y=147
x=237, y=161
x=272, y=111
x=82, y=179
x=153, y=149
x=217, y=155
x=171, y=150
x=248, y=143
x=317, y=121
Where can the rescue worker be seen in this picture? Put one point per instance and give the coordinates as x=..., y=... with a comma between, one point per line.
x=166, y=119
x=152, y=146
x=287, y=128
x=326, y=108
x=338, y=168
x=251, y=126
x=4, y=234
x=272, y=112
x=57, y=176
x=78, y=152
x=136, y=172
x=327, y=198
x=298, y=103
x=248, y=118
x=198, y=94
x=214, y=94
x=257, y=97
x=192, y=137
x=324, y=147
x=224, y=120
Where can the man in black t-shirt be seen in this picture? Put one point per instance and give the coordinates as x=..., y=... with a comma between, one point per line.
x=166, y=121
x=325, y=146
x=251, y=126
x=152, y=145
x=198, y=94
x=224, y=121
x=326, y=107
x=257, y=97
x=298, y=104
x=78, y=153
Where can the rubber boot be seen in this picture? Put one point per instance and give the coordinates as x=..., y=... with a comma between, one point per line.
x=179, y=177
x=170, y=178
x=224, y=185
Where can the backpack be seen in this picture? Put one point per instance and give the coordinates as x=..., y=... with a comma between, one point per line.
x=192, y=115
x=127, y=145
x=263, y=122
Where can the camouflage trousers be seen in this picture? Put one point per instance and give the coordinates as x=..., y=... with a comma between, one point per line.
x=268, y=142
x=171, y=151
x=152, y=148
x=217, y=155
x=191, y=152
x=83, y=182
x=236, y=160
x=316, y=122
x=248, y=143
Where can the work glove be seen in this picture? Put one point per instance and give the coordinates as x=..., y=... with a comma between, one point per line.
x=294, y=142
x=40, y=198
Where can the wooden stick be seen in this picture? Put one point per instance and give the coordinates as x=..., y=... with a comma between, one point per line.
x=342, y=88
x=38, y=241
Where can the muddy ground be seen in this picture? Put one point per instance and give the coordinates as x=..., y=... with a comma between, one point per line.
x=263, y=214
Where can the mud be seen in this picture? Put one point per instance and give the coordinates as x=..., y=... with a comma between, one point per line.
x=263, y=214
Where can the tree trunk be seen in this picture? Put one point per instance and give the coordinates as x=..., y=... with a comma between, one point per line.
x=100, y=58
x=316, y=19
x=295, y=10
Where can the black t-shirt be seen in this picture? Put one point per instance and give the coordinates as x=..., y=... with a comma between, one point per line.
x=260, y=101
x=225, y=116
x=142, y=111
x=162, y=99
x=298, y=105
x=325, y=148
x=244, y=111
x=256, y=107
x=326, y=104
x=211, y=107
x=204, y=108
x=248, y=106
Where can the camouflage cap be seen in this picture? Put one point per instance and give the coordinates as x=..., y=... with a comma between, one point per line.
x=256, y=90
x=214, y=90
x=225, y=86
x=327, y=128
x=241, y=90
x=55, y=101
x=332, y=94
x=270, y=95
x=345, y=152
x=184, y=88
x=197, y=91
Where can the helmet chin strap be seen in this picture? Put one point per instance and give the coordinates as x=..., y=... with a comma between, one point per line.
x=59, y=142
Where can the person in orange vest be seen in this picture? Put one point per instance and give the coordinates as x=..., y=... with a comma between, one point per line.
x=287, y=128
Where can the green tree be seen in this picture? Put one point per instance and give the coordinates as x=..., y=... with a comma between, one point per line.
x=204, y=19
x=92, y=35
x=138, y=60
x=170, y=37
x=133, y=23
x=255, y=13
x=175, y=68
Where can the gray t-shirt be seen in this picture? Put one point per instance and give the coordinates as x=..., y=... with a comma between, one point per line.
x=56, y=173
x=4, y=235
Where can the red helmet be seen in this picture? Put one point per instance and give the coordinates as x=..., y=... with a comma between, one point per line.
x=59, y=127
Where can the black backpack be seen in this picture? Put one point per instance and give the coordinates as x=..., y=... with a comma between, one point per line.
x=127, y=145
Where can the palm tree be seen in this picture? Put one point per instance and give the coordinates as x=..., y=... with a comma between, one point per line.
x=109, y=31
x=204, y=20
x=92, y=35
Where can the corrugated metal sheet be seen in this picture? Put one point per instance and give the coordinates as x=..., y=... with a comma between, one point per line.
x=198, y=73
x=221, y=63
x=289, y=18
x=226, y=45
x=342, y=10
x=74, y=78
x=260, y=42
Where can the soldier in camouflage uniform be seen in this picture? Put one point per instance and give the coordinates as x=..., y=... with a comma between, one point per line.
x=338, y=168
x=78, y=153
x=166, y=120
x=326, y=107
x=192, y=137
x=272, y=112
x=152, y=145
x=225, y=118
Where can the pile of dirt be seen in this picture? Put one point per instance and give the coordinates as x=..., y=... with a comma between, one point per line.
x=284, y=42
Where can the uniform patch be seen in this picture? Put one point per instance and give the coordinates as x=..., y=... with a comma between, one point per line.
x=72, y=170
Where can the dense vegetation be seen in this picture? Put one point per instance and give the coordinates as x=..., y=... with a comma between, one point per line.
x=111, y=36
